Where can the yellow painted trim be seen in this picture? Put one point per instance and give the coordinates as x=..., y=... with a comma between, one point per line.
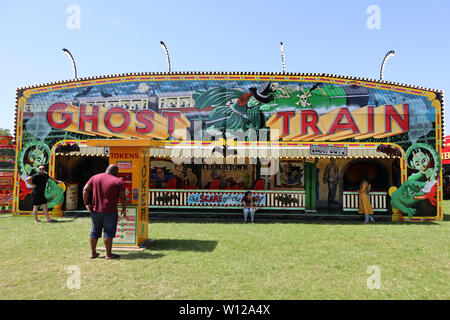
x=119, y=143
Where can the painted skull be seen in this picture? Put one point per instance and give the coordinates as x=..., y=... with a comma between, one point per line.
x=304, y=98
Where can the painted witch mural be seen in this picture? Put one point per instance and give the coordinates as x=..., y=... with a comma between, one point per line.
x=234, y=109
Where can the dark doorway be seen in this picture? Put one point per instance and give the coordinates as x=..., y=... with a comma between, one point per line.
x=75, y=171
x=378, y=174
x=84, y=170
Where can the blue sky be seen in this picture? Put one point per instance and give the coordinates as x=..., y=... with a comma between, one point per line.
x=319, y=37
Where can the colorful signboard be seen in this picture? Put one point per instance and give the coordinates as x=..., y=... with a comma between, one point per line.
x=446, y=151
x=319, y=109
x=225, y=176
x=243, y=107
x=126, y=233
x=223, y=199
x=7, y=161
x=328, y=151
x=135, y=179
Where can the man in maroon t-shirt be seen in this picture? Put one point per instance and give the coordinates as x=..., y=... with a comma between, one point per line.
x=106, y=189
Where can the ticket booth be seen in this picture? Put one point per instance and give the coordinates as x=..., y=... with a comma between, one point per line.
x=132, y=158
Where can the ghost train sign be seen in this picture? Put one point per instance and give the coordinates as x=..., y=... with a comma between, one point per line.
x=341, y=123
x=116, y=121
x=281, y=111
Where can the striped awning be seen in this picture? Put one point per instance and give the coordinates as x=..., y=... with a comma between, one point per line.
x=86, y=151
x=268, y=150
x=256, y=149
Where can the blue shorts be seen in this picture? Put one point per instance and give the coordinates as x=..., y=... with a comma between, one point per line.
x=106, y=222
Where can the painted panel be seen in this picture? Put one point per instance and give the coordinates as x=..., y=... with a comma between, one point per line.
x=207, y=107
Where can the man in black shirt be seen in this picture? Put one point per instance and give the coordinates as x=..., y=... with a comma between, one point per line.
x=38, y=181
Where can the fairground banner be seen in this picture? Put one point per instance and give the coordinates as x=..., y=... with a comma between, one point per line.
x=243, y=107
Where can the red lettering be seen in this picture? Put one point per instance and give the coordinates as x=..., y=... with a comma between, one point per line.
x=349, y=125
x=305, y=124
x=85, y=117
x=125, y=116
x=171, y=116
x=285, y=122
x=141, y=118
x=370, y=119
x=391, y=113
x=125, y=155
x=66, y=116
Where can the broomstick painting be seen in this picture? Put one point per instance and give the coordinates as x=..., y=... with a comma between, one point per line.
x=234, y=109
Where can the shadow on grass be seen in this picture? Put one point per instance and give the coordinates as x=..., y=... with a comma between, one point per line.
x=384, y=220
x=183, y=245
x=59, y=221
x=140, y=255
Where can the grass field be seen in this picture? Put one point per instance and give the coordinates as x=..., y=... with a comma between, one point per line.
x=229, y=260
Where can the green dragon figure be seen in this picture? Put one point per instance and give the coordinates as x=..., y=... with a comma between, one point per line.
x=404, y=198
x=420, y=185
x=53, y=193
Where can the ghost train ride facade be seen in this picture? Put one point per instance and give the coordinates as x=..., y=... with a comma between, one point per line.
x=301, y=142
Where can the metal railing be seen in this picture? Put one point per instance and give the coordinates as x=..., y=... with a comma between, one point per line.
x=378, y=200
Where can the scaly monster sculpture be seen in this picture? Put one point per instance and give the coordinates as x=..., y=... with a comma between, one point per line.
x=54, y=194
x=418, y=184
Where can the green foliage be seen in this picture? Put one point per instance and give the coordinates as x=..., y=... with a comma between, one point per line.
x=4, y=132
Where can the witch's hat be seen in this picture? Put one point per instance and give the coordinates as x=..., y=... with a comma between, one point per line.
x=261, y=93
